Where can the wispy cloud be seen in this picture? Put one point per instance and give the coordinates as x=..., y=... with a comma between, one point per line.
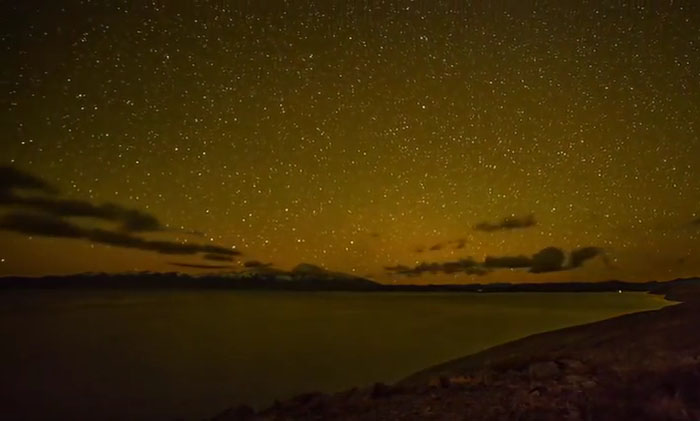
x=14, y=184
x=218, y=257
x=11, y=178
x=131, y=220
x=453, y=244
x=34, y=207
x=508, y=223
x=51, y=226
x=579, y=256
x=550, y=259
x=200, y=266
x=256, y=264
x=467, y=266
x=507, y=262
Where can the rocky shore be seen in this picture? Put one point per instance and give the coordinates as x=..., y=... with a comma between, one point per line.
x=642, y=366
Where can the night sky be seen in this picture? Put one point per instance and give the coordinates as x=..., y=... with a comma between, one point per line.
x=408, y=141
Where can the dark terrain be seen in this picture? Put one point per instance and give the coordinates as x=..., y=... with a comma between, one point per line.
x=306, y=277
x=642, y=366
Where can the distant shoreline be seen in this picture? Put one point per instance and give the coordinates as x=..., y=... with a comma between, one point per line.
x=315, y=282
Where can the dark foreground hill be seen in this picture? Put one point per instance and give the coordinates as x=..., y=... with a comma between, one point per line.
x=643, y=366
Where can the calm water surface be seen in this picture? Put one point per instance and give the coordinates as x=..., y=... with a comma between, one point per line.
x=189, y=355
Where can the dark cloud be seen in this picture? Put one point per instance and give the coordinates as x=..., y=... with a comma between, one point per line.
x=256, y=264
x=457, y=244
x=401, y=269
x=13, y=179
x=46, y=214
x=428, y=267
x=217, y=257
x=695, y=221
x=468, y=266
x=579, y=256
x=476, y=270
x=509, y=223
x=41, y=225
x=52, y=226
x=508, y=262
x=550, y=259
x=128, y=219
x=199, y=266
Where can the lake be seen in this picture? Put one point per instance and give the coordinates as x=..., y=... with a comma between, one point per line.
x=165, y=355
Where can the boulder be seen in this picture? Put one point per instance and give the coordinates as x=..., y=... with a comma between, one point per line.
x=544, y=370
x=575, y=379
x=574, y=366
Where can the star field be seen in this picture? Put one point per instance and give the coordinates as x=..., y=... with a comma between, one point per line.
x=359, y=135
